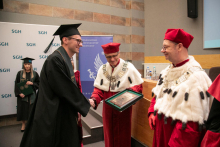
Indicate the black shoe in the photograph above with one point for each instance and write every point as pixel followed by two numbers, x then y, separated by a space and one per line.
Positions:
pixel 22 130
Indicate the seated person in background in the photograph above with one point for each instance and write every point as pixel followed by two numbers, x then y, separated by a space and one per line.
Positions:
pixel 212 136
pixel 181 103
pixel 25 102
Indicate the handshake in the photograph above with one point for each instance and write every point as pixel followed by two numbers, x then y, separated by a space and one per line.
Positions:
pixel 92 103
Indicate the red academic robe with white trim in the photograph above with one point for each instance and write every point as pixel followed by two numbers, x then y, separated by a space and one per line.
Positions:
pixel 117 125
pixel 167 135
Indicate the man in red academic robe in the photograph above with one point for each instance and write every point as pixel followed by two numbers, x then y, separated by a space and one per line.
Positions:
pixel 212 136
pixel 181 103
pixel 115 76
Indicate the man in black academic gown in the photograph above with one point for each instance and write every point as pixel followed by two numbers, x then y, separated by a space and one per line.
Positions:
pixel 53 121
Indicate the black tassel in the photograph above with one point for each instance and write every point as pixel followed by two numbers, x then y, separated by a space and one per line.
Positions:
pixel 160 76
pixel 152 94
pixel 155 113
pixel 169 91
pixel 173 122
pixel 101 82
pixel 183 126
pixel 165 91
pixel 165 120
pixel 129 79
pixel 208 95
pixel 174 94
pixel 202 95
pixel 186 96
pixel 118 84
pixel 159 116
pixel 48 47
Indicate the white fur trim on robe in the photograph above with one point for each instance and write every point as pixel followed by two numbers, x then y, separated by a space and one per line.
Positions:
pixel 195 108
pixel 132 72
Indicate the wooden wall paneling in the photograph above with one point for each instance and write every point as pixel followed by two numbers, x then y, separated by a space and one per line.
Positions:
pixel 140 128
pixel 148 85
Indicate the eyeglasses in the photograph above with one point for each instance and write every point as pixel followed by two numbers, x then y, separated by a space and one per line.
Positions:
pixel 78 40
pixel 164 48
pixel 113 56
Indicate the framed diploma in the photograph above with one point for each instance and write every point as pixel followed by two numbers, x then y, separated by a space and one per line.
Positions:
pixel 124 99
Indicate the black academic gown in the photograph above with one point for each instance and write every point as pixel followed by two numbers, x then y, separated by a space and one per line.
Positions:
pixel 53 120
pixel 213 122
pixel 23 107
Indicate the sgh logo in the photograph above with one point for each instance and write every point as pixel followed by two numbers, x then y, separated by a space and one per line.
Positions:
pixel 42 32
pixel 35 69
pixel 16 31
pixel 4 44
pixel 6 95
pixel 56 44
pixel 43 56
pixel 17 57
pixel 4 69
pixel 31 44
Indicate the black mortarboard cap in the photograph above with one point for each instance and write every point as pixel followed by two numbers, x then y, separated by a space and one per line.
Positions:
pixel 65 31
pixel 27 60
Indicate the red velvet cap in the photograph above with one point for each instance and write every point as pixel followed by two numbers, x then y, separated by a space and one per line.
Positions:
pixel 111 47
pixel 179 36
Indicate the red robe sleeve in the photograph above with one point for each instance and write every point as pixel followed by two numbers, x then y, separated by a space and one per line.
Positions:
pixel 97 95
pixel 137 88
pixel 214 88
pixel 151 108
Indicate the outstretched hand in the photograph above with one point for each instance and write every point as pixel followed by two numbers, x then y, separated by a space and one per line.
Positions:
pixel 92 103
